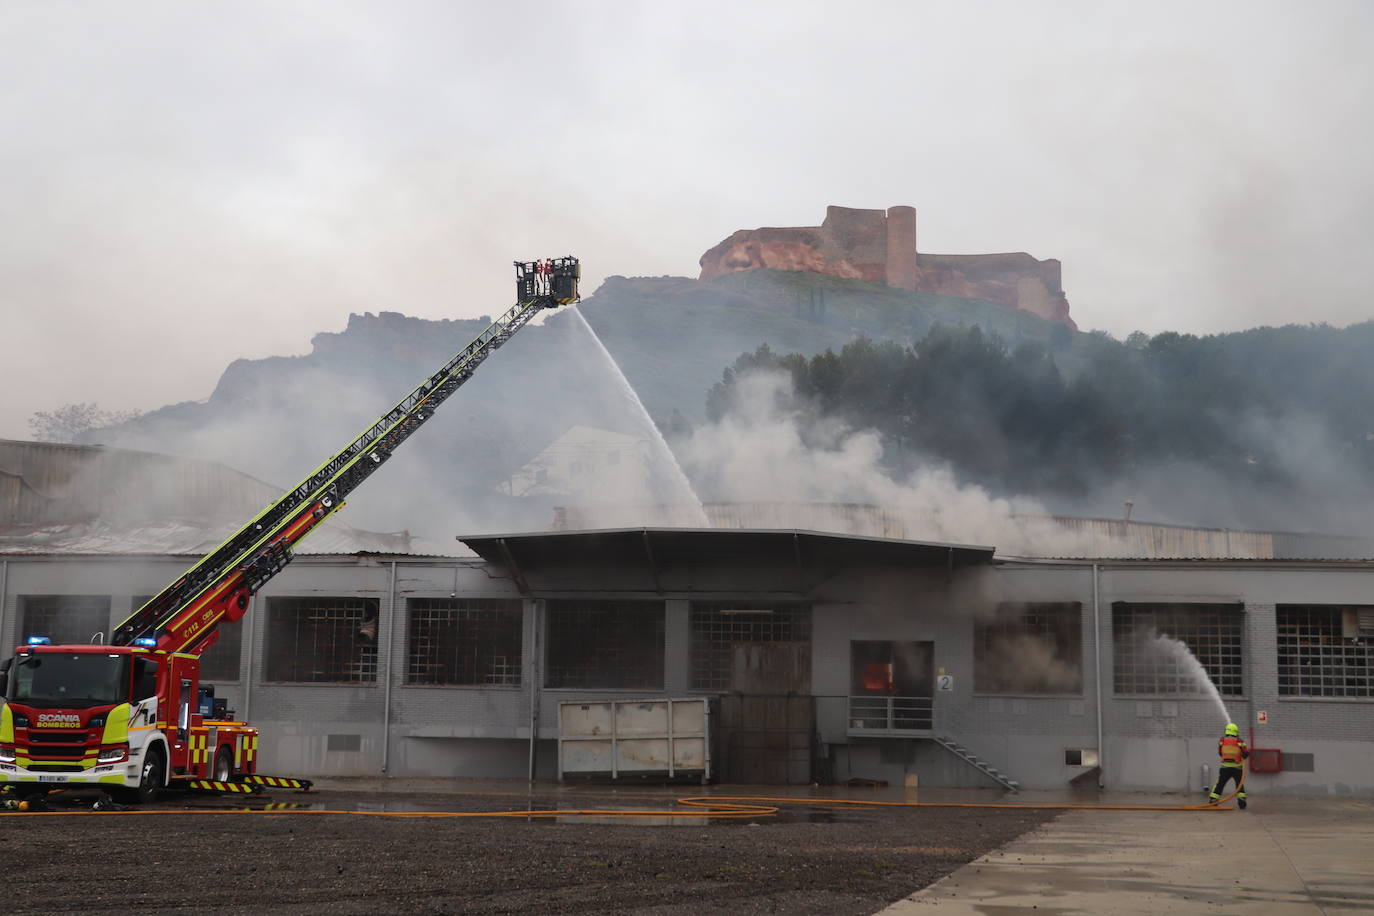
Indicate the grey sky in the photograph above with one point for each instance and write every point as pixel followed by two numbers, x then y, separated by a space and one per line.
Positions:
pixel 186 184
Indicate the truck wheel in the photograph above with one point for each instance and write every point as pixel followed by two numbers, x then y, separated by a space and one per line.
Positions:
pixel 150 778
pixel 224 765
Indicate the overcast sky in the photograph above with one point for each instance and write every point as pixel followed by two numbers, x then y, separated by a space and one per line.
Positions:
pixel 184 184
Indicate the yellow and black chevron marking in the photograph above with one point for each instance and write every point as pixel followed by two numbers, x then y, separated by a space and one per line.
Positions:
pixel 280 782
pixel 227 788
pixel 200 753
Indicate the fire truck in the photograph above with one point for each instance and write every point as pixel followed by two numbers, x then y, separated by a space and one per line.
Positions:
pixel 130 717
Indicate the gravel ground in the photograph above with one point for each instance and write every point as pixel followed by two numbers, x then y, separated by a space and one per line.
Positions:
pixel 809 860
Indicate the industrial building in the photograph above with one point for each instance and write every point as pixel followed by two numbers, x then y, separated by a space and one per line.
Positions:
pixel 822 656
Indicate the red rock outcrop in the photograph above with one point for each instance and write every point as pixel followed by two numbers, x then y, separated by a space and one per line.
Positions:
pixel 880 247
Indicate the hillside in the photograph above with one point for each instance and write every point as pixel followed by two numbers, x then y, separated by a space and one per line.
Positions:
pixel 673 336
pixel 276 418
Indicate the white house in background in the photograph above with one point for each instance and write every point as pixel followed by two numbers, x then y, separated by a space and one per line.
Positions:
pixel 589 463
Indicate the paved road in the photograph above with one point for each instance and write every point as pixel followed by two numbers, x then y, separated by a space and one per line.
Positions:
pixel 1279 856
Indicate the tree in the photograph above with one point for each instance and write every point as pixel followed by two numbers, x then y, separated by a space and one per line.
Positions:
pixel 69 421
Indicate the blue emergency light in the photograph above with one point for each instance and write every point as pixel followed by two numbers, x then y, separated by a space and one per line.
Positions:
pixel 146 641
pixel 39 641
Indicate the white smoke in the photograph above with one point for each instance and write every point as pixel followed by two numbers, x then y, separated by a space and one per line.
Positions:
pixel 769 450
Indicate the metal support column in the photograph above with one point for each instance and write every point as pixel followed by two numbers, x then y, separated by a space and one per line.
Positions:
pixel 390 654
pixel 252 653
pixel 1097 679
pixel 534 669
pixel 4 595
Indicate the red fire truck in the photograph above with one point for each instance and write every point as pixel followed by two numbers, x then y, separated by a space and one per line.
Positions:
pixel 130 716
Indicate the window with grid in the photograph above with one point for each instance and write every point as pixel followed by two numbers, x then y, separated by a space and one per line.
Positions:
pixel 219 664
pixel 605 644
pixel 1323 651
pixel 322 640
pixel 1147 661
pixel 64 619
pixel 1029 648
pixel 719 627
pixel 464 641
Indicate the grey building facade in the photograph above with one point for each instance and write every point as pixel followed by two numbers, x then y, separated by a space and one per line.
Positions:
pixel 828 657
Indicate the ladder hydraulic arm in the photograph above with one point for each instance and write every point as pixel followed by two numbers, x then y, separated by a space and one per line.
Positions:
pixel 183 617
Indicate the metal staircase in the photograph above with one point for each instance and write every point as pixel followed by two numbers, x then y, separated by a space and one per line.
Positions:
pixel 978 763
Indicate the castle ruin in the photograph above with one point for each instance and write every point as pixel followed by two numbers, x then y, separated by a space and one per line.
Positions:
pixel 880 247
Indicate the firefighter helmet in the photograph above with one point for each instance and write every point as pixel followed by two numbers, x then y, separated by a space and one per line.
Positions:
pixel 1232 730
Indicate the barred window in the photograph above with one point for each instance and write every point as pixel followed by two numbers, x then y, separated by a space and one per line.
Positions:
pixel 605 644
pixel 464 641
pixel 64 619
pixel 1147 659
pixel 322 640
pixel 1029 648
pixel 724 631
pixel 219 664
pixel 1324 651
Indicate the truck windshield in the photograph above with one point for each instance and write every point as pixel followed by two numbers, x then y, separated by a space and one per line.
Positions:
pixel 71 681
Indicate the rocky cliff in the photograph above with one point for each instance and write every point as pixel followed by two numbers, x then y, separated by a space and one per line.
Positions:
pixel 880 247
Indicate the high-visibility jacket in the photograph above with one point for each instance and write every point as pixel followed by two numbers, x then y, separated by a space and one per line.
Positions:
pixel 1232 751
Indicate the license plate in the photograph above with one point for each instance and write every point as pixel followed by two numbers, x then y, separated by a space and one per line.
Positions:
pixel 51 777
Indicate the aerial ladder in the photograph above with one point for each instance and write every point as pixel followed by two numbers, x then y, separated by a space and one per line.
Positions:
pixel 165 637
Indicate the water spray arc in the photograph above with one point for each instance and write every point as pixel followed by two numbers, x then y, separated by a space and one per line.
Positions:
pixel 1187 663
pixel 684 492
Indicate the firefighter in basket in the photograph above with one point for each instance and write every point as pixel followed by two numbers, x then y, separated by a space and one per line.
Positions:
pixel 1233 753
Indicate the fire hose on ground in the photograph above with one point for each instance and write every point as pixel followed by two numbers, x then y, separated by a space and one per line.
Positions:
pixel 702 806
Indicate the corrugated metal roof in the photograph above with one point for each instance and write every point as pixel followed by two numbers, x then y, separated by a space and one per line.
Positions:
pixel 1190 561
pixel 1018 534
pixel 44 483
pixel 91 500
pixel 179 539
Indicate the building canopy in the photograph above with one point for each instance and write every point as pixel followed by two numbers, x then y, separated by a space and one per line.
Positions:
pixel 701 560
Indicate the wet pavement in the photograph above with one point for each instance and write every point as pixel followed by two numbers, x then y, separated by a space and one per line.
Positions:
pixel 1279 856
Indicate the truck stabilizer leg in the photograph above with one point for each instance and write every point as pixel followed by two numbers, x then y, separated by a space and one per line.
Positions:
pixel 280 782
pixel 217 787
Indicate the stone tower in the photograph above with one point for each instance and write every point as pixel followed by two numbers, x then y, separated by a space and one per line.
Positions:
pixel 901 247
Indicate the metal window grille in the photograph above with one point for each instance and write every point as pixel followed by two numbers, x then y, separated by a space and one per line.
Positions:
pixel 64 619
pixel 719 626
pixel 322 640
pixel 1212 632
pixel 1318 657
pixel 605 644
pixel 1029 648
pixel 464 641
pixel 220 663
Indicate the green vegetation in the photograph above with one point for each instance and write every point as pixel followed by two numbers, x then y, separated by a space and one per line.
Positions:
pixel 1280 421
pixel 672 336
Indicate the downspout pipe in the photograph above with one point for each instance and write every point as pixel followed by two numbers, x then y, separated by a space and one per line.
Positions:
pixel 250 615
pixel 536 677
pixel 1097 678
pixel 4 596
pixel 390 654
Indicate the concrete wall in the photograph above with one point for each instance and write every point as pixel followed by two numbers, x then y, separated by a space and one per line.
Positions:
pixel 1157 743
pixel 1162 743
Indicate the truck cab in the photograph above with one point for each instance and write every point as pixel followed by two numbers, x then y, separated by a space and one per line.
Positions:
pixel 124 718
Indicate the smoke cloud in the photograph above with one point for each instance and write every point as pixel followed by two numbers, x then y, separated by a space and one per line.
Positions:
pixel 768 449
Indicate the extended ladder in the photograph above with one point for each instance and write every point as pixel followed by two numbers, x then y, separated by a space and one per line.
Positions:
pixel 183 617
